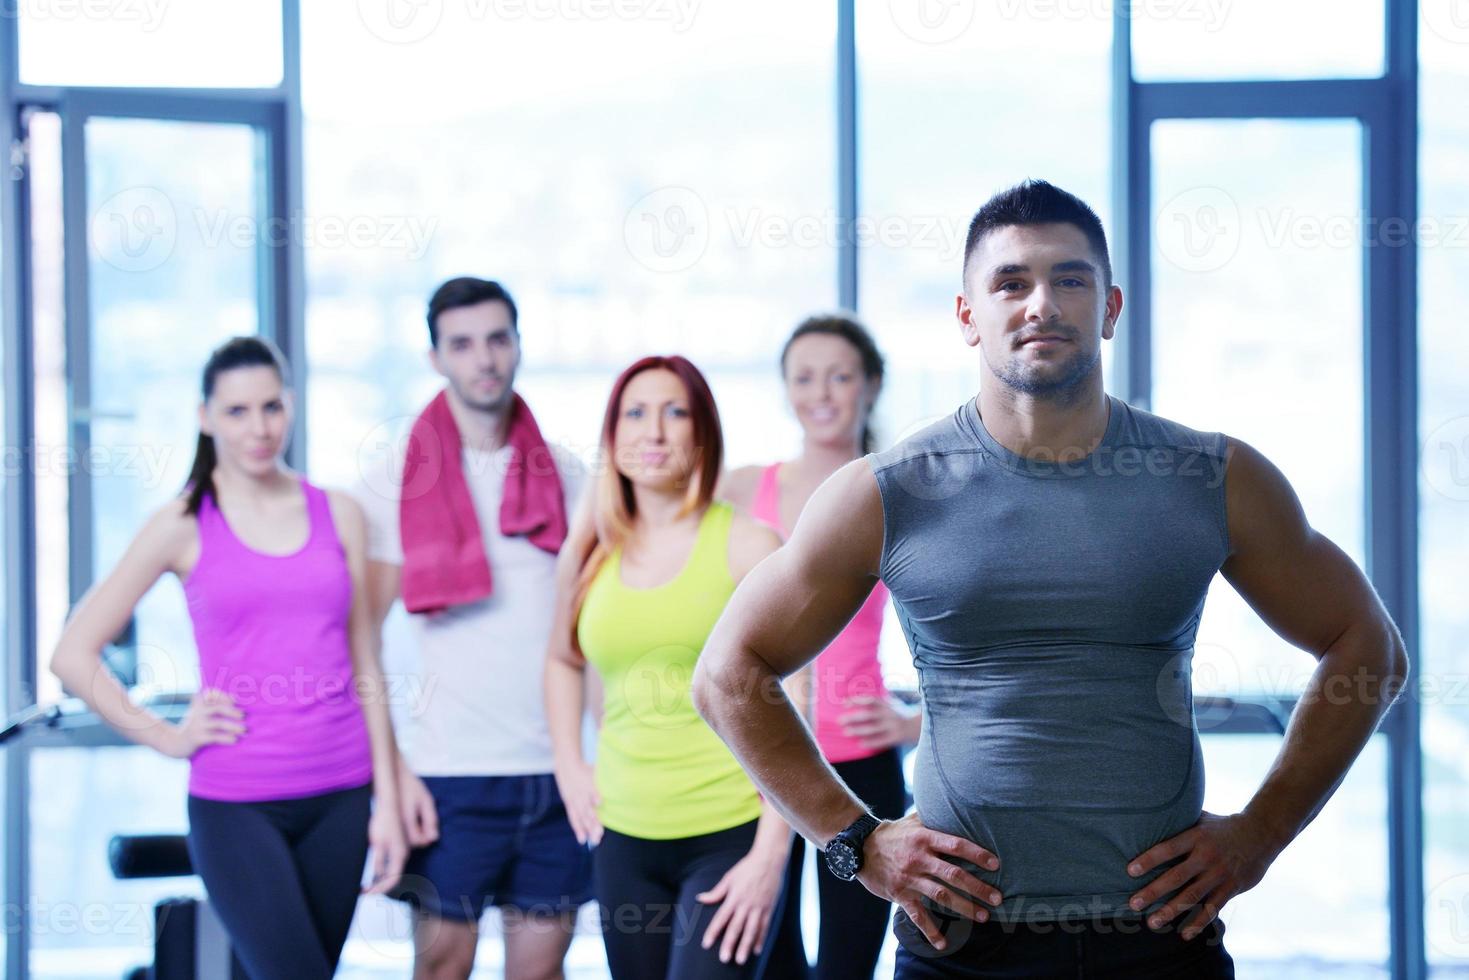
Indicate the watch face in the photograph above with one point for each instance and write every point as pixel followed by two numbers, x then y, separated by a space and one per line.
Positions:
pixel 841 859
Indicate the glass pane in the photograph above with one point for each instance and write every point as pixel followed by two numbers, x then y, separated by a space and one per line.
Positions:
pixel 1338 923
pixel 1443 425
pixel 625 214
pixel 174 245
pixel 937 136
pixel 922 181
pixel 163 43
pixel 1256 39
pixel 53 460
pixel 1257 332
pixel 84 922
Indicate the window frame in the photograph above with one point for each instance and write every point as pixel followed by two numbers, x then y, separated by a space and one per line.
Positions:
pixel 1387 109
pixel 276 113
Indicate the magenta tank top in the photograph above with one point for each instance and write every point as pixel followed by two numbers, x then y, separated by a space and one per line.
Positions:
pixel 846 669
pixel 272 633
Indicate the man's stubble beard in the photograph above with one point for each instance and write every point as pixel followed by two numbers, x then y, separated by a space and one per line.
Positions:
pixel 1062 387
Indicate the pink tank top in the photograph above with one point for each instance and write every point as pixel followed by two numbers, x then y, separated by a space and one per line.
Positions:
pixel 846 669
pixel 272 633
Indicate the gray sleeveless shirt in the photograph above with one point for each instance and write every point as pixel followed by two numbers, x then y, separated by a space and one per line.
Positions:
pixel 1051 610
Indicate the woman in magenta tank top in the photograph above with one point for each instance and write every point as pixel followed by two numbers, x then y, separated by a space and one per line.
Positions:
pixel 833 372
pixel 291 751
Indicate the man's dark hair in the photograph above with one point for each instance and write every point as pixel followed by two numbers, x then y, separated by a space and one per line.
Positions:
pixel 466 291
pixel 1038 202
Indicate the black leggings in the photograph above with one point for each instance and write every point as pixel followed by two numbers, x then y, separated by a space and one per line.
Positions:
pixel 854 922
pixel 652 924
pixel 283 876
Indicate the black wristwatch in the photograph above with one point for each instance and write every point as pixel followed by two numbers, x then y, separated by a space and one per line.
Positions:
pixel 844 853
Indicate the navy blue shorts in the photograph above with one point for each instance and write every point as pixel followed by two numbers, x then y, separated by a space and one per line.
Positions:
pixel 503 841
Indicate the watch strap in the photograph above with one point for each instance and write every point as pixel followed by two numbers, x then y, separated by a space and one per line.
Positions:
pixel 856 832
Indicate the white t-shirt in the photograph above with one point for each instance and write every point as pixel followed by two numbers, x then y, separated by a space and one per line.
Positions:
pixel 473 702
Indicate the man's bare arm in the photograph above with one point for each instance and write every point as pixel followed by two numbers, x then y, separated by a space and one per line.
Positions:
pixel 1311 594
pixel 785 612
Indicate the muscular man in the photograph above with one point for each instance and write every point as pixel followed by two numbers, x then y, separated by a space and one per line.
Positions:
pixel 1048 549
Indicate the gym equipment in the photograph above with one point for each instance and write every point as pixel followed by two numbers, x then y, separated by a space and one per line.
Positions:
pixel 189 942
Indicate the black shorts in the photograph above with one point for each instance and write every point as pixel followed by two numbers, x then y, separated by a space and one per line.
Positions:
pixel 1123 948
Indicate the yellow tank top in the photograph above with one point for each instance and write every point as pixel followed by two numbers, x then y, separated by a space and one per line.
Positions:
pixel 662 773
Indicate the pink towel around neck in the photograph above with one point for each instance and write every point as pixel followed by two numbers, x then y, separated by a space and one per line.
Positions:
pixel 444 561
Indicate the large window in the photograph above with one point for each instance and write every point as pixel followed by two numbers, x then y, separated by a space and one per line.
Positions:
pixel 169 277
pixel 167 202
pixel 1257 332
pixel 151 228
pixel 654 180
pixel 1269 220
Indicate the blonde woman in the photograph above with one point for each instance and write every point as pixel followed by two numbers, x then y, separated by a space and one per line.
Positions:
pixel 689 860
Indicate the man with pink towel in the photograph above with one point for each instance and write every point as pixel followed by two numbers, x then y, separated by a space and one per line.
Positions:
pixel 468 540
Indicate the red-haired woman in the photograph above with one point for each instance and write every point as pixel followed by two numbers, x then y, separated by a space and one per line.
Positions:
pixel 689 861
